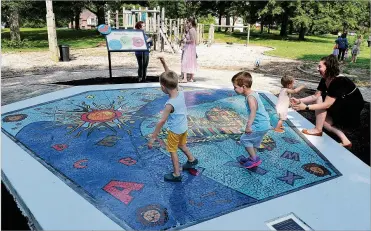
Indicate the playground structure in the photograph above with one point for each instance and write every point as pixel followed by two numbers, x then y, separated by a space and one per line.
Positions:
pixel 164 31
pixel 211 39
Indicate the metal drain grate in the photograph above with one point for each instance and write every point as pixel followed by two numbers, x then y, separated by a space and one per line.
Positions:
pixel 288 222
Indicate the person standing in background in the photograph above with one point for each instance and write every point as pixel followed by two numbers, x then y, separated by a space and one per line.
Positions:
pixel 342 43
pixel 189 59
pixel 356 48
pixel 142 57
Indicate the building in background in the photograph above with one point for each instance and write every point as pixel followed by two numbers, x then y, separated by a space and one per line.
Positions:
pixel 88 20
pixel 238 24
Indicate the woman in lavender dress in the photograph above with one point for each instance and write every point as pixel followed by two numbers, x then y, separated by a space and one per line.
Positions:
pixel 189 60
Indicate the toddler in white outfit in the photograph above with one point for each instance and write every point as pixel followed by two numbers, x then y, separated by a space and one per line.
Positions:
pixel 283 102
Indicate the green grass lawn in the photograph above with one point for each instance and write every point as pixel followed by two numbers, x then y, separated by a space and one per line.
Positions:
pixel 312 49
pixel 37 39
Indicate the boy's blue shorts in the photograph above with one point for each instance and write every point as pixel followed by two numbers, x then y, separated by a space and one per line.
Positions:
pixel 253 139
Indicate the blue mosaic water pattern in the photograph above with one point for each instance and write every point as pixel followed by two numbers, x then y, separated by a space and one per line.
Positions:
pixel 96 143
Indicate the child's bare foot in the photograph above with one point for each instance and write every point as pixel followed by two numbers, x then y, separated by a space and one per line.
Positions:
pixel 279 130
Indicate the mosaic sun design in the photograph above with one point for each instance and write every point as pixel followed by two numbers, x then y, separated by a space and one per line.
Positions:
pixel 96 142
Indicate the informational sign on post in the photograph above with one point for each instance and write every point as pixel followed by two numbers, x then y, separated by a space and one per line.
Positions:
pixel 126 40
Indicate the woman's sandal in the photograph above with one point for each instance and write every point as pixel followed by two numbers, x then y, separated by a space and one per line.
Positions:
pixel 183 81
pixel 305 131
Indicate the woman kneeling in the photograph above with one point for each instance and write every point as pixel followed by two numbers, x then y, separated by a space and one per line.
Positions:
pixel 337 101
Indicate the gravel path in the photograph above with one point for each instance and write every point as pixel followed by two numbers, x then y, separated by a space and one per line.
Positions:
pixel 28 74
pixel 222 57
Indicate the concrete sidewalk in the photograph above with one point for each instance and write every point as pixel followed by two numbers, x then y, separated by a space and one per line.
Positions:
pixel 23 87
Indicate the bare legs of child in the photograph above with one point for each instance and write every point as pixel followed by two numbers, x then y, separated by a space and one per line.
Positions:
pixel 279 127
pixel 192 161
pixel 252 151
pixel 175 160
pixel 252 141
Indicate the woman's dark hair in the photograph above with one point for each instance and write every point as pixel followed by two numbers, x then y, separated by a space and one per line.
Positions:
pixel 192 21
pixel 344 35
pixel 332 66
pixel 139 25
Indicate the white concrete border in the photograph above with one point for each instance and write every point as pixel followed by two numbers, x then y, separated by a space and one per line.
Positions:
pixel 339 204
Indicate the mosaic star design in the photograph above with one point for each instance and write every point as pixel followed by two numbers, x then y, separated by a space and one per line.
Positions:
pixel 98 141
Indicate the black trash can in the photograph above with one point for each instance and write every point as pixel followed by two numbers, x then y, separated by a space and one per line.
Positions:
pixel 64 51
pixel 369 43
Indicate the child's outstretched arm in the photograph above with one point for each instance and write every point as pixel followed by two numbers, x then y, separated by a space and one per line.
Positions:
pixel 164 63
pixel 160 124
pixel 296 90
pixel 253 104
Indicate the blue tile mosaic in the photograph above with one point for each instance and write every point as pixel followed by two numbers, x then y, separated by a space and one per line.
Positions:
pixel 96 143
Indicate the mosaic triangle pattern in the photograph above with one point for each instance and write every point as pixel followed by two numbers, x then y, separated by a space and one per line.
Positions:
pixel 96 143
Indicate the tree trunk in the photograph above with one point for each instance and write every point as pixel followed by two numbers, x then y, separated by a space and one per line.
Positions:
pixel 220 22
pixel 291 27
pixel 15 34
pixel 285 20
pixel 52 32
pixel 77 21
pixel 227 22
pixel 261 27
pixel 302 32
pixel 234 22
pixel 101 16
pixel 310 30
pixel 270 23
pixel 99 12
pixel 345 27
pixel 77 9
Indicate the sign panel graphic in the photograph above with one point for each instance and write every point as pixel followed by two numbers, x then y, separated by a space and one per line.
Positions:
pixel 126 40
